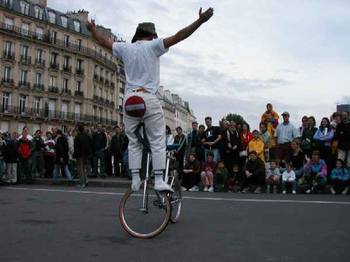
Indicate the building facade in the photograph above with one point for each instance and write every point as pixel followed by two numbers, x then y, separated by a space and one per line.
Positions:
pixel 343 108
pixel 53 73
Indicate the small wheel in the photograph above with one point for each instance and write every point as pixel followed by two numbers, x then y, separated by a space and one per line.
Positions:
pixel 175 198
pixel 144 217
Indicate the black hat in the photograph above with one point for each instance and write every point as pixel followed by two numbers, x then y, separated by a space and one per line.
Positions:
pixel 144 30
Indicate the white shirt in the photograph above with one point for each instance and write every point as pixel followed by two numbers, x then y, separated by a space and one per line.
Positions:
pixel 285 133
pixel 141 62
pixel 288 176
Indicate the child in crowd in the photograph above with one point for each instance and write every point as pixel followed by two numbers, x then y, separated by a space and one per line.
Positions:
pixel 208 171
pixel 190 178
pixel 340 178
pixel 221 176
pixel 257 145
pixel 288 178
pixel 234 182
pixel 273 177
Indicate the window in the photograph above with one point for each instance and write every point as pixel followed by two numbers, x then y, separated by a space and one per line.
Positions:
pixel 79 64
pixel 25 29
pixel 79 44
pixel 39 55
pixel 53 81
pixel 95 91
pixel 38 78
pixel 38 12
pixel 39 32
pixel 64 109
pixel 37 105
pixel 53 37
pixel 53 58
pixel 52 17
pixel 24 76
pixel 7 73
pixel 66 62
pixel 106 94
pixel 24 7
pixel 8 3
pixel 78 86
pixel 6 102
pixel 9 23
pixel 65 85
pixel 8 48
pixel 100 93
pixel 66 40
pixel 76 26
pixel 24 51
pixel 22 104
pixel 52 107
pixel 77 111
pixel 64 21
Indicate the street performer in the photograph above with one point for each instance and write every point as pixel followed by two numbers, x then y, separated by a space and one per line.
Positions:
pixel 141 62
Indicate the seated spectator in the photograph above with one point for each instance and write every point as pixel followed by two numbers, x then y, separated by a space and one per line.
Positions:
pixel 235 181
pixel 255 173
pixel 273 177
pixel 207 175
pixel 340 178
pixel 257 145
pixel 221 176
pixel 315 173
pixel 288 179
pixel 191 178
pixel 297 158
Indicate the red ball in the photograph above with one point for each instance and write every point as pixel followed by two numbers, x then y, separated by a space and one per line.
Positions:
pixel 135 106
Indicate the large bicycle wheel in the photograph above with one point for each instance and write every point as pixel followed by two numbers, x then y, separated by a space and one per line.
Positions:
pixel 144 217
pixel 175 198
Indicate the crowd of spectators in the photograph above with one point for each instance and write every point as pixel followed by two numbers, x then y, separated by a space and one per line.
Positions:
pixel 278 157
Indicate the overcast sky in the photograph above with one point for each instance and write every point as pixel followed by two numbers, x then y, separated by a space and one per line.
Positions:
pixel 292 53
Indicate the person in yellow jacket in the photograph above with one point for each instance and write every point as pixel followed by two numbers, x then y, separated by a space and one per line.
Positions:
pixel 270 117
pixel 257 145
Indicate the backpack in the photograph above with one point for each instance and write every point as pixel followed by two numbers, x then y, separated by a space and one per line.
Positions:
pixel 24 150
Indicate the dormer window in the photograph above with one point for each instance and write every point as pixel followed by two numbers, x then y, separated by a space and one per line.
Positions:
pixel 64 21
pixel 39 13
pixel 77 26
pixel 24 7
pixel 52 17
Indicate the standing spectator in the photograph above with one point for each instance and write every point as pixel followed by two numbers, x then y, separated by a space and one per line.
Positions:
pixel 38 154
pixel 323 139
pixel 255 174
pixel 191 174
pixel 342 136
pixel 49 154
pixel 72 165
pixel 257 145
pixel 109 166
pixel 194 140
pixel 2 151
pixel 335 120
pixel 11 158
pixel 61 156
pixel 207 173
pixel 221 176
pixel 245 136
pixel 82 152
pixel 288 179
pixel 315 173
pixel 200 154
pixel 117 142
pixel 169 138
pixel 307 137
pixel 266 138
pixel 180 139
pixel 25 154
pixel 340 178
pixel 297 158
pixel 211 139
pixel 273 177
pixel 99 143
pixel 270 118
pixel 304 124
pixel 285 133
pixel 231 144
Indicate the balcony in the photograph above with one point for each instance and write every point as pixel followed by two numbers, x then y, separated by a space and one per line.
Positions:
pixel 54 66
pixel 112 84
pixel 79 71
pixel 7 82
pixel 66 92
pixel 40 62
pixel 79 93
pixel 25 60
pixel 24 85
pixel 102 79
pixel 39 87
pixel 53 89
pixel 9 56
pixel 107 81
pixel 67 69
pixel 96 77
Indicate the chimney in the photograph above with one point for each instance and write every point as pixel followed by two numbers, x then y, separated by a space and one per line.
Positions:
pixel 81 15
pixel 42 3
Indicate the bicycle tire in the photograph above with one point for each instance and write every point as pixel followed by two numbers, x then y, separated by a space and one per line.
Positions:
pixel 127 225
pixel 175 199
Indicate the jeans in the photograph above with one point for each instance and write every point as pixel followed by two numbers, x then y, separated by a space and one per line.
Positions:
pixel 56 172
pixel 82 170
pixel 38 163
pixel 125 161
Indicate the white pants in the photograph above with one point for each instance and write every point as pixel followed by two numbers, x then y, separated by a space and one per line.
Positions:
pixel 345 156
pixel 11 172
pixel 155 130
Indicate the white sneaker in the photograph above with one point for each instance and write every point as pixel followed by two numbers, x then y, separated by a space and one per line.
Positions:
pixel 135 185
pixel 205 189
pixel 345 191
pixel 162 186
pixel 284 192
pixel 294 192
pixel 211 189
pixel 183 188
pixel 194 189
pixel 333 191
pixel 308 191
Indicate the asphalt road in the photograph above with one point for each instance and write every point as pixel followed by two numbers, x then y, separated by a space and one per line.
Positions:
pixel 63 224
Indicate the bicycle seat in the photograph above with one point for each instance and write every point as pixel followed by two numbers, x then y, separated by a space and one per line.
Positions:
pixel 172 147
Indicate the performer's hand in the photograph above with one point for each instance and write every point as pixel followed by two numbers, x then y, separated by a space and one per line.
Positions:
pixel 204 17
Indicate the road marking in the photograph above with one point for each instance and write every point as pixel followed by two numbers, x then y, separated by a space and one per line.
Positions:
pixel 188 197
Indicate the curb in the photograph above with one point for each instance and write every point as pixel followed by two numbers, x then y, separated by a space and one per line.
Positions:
pixel 120 183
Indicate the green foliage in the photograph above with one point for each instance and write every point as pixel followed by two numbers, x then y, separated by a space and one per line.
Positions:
pixel 238 119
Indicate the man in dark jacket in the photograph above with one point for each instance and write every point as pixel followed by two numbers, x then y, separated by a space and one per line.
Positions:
pixel 62 157
pixel 180 139
pixel 11 158
pixel 342 136
pixel 117 142
pixel 255 173
pixel 99 144
pixel 38 154
pixel 82 152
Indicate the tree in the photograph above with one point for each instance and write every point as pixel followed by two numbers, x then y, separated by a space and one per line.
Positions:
pixel 238 119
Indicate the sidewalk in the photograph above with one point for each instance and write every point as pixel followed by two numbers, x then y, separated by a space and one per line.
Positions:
pixel 116 182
